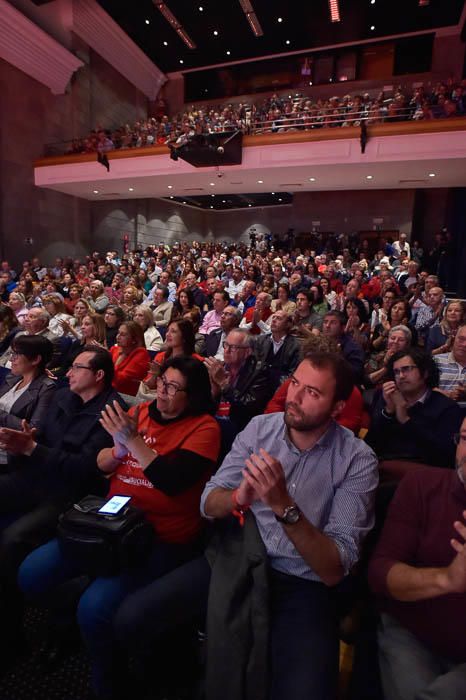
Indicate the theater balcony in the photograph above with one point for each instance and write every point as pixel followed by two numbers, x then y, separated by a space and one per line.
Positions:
pixel 392 155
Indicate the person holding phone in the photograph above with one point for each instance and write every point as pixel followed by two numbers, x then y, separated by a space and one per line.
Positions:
pixel 163 454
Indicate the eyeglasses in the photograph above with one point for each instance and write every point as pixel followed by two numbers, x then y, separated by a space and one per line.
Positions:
pixel 229 346
pixel 77 366
pixel 403 370
pixel 459 438
pixel 14 355
pixel 168 388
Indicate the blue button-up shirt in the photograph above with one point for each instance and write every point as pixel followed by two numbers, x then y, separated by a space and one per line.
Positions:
pixel 333 483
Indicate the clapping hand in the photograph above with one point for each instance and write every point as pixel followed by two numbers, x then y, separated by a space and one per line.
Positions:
pixel 120 425
pixel 18 442
pixel 217 372
pixel 266 480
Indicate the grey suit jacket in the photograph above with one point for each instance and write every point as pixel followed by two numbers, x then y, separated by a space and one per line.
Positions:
pixel 32 405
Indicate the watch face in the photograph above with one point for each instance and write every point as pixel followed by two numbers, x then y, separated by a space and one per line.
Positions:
pixel 292 515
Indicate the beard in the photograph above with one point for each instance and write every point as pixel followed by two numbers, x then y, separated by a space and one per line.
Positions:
pixel 302 422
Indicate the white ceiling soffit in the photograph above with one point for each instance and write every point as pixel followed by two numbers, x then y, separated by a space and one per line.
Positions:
pixel 33 51
pixel 94 26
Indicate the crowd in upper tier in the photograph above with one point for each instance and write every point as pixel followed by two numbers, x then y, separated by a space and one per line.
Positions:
pixel 251 372
pixel 277 113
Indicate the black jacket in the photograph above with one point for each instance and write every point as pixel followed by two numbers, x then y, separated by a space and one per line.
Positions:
pixel 250 395
pixel 281 365
pixel 427 437
pixel 32 405
pixel 212 342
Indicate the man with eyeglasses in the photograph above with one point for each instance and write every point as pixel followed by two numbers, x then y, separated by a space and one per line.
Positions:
pixel 418 573
pixel 52 469
pixel 213 347
pixel 411 421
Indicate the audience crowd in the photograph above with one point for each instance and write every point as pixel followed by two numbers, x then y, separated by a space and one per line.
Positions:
pixel 251 373
pixel 278 113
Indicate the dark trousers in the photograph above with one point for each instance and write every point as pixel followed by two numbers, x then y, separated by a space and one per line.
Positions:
pixel 304 639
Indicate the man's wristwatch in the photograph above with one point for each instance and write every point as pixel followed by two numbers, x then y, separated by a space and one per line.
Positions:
pixel 290 516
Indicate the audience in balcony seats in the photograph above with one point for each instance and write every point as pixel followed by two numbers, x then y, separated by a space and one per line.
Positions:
pixel 441 335
pixel 309 525
pixel 452 367
pixel 240 386
pixel 256 319
pixel 212 319
pixel 163 454
pixel 113 317
pixel 407 408
pixel 143 316
pixel 97 299
pixel 418 573
pixel 50 469
pixel 130 358
pixel 213 346
pixel 162 308
pixel 334 325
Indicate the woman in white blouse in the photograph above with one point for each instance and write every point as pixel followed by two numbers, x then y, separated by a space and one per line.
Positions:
pixel 54 304
pixel 143 316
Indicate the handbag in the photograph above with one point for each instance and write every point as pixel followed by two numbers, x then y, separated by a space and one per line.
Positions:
pixel 104 545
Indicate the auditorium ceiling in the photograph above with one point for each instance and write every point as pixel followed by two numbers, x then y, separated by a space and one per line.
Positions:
pixel 222 34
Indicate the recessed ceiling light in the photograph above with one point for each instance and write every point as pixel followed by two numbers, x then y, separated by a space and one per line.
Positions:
pixel 272 193
pixel 372 2
pixel 224 201
pixel 147 21
pixel 280 200
pixel 287 42
pixel 212 184
pixel 130 189
pixel 228 53
pixel 312 179
pixel 368 177
pixel 372 27
pixel 279 19
pixel 165 43
pixel 96 191
pixel 310 82
pixel 181 60
pixel 212 195
pixel 249 205
pixel 431 174
pixel 201 8
pixel 215 32
pixel 171 196
pixel 170 187
pixel 211 206
pixel 184 202
pixel 260 182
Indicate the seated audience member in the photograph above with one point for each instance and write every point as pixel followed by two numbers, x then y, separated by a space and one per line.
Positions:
pixel 256 318
pixel 17 301
pixel 319 304
pixel 238 384
pixel 311 521
pixel 278 350
pixel 430 312
pixel 399 314
pixel 334 325
pixel 162 308
pixel 183 304
pixel 114 316
pixel 132 297
pixel 92 333
pixel 199 297
pixel 51 470
pixel 418 574
pixel 247 296
pixel 376 368
pixel 380 313
pixel 27 390
pixel 143 316
pixel 194 316
pixel 452 368
pixel 180 340
pixel 130 358
pixel 55 307
pixel 212 318
pixel 213 347
pixel 304 315
pixel 97 299
pixel 9 327
pixel 73 330
pixel 441 335
pixel 410 421
pixel 283 301
pixel 357 325
pixel 235 285
pixel 163 454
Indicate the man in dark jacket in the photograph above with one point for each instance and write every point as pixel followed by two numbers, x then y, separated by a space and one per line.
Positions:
pixel 229 319
pixel 278 351
pixel 49 474
pixel 334 326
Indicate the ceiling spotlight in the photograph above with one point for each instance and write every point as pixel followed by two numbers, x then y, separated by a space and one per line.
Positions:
pixel 224 201
pixel 310 82
pixel 211 206
pixel 215 32
pixel 287 42
pixel 334 10
pixel 147 21
pixel 372 2
pixel 165 43
pixel 280 200
pixel 431 174
pixel 312 179
pixel 181 60
pixel 228 53
pixel 249 205
pixel 201 8
pixel 212 195
pixel 372 28
pixel 368 177
pixel 170 187
pixel 272 193
pixel 130 189
pixel 184 202
pixel 260 182
pixel 96 191
pixel 212 184
pixel 171 196
pixel 280 19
